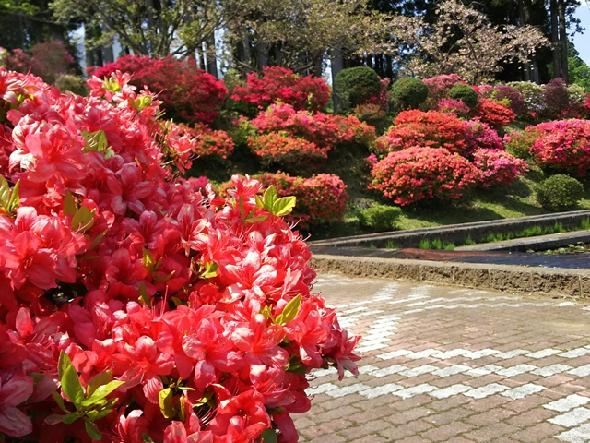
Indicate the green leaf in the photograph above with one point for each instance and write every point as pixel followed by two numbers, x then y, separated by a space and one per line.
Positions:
pixel 270 196
pixel 267 312
pixel 97 142
pixel 166 402
pixel 70 418
pixel 284 206
pixel 92 430
pixel 98 380
pixel 9 200
pixel 269 436
pixel 143 295
pixel 59 400
pixel 210 270
pixel 83 219
pixel 70 383
pixel 290 311
pixel 70 204
pixel 102 392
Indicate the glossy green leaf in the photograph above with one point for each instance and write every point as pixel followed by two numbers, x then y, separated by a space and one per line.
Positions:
pixel 92 431
pixel 284 206
pixel 98 380
pixel 70 383
pixel 267 312
pixel 166 402
pixel 97 142
pixel 9 199
pixel 70 418
pixel 290 311
pixel 210 270
pixel 59 400
pixel 103 391
pixel 83 219
pixel 70 204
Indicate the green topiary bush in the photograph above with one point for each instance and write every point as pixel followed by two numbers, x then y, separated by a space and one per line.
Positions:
pixel 356 85
pixel 72 83
pixel 408 93
pixel 465 93
pixel 560 192
pixel 379 217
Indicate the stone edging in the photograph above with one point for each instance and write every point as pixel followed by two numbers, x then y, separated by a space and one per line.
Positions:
pixel 521 279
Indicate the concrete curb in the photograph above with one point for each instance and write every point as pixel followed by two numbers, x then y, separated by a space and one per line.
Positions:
pixel 540 281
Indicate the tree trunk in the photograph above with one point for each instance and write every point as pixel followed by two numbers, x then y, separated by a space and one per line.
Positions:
pixel 553 10
pixel 212 56
pixel 563 41
pixel 336 65
pixel 246 49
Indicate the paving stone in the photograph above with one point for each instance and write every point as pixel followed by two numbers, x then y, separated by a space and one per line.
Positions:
pixel 449 364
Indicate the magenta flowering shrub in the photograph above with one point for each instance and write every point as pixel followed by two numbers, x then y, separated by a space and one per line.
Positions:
pixel 563 145
pixel 439 85
pixel 417 174
pixel 498 167
pixel 454 106
pixel 136 305
pixel 482 136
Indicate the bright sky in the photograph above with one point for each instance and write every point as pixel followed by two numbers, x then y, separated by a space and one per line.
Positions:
pixel 582 40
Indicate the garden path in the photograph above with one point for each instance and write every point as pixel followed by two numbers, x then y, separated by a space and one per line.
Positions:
pixel 452 364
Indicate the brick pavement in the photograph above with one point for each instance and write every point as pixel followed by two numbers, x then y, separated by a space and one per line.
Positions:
pixel 451 364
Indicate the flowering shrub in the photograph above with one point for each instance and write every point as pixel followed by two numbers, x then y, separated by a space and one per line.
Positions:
pixel 563 145
pixel 441 84
pixel 320 198
pixel 454 106
pixel 427 129
pixel 325 130
pixel 533 94
pixel 136 306
pixel 280 147
pixel 512 95
pixel 46 59
pixel 183 143
pixel 498 167
pixel 281 84
pixel 557 101
pixel 495 114
pixel 416 174
pixel 188 94
pixel 482 136
pixel 519 142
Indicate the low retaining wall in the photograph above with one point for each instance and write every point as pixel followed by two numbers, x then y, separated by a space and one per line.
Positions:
pixel 541 281
pixel 457 233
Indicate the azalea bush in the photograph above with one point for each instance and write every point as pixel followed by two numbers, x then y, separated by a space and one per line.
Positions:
pixel 325 129
pixel 482 136
pixel 498 167
pixel 183 143
pixel 494 113
pixel 280 147
pixel 136 305
pixel 187 94
pixel 277 83
pixel 417 174
pixel 563 145
pixel 440 85
pixel 320 198
pixel 429 129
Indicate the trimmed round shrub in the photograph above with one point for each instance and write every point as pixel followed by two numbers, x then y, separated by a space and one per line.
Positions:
pixel 557 99
pixel 379 218
pixel 427 129
pixel 408 93
pixel 71 83
pixel 494 113
pixel 356 85
pixel 560 192
pixel 465 93
pixel 418 174
pixel 563 145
